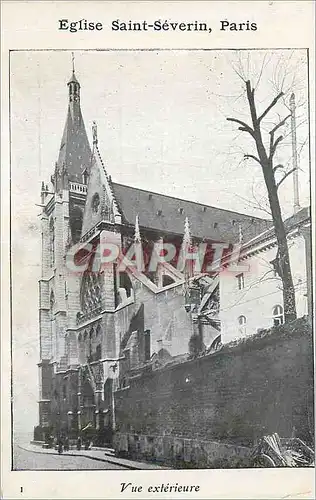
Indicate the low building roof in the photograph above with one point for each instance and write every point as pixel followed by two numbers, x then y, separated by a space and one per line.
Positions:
pixel 290 223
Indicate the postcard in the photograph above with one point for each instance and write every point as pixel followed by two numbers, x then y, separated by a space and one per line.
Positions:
pixel 158 253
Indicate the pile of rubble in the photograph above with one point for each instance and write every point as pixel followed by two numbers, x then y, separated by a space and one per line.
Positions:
pixel 271 451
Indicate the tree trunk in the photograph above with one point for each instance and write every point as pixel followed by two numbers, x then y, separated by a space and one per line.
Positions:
pixel 266 162
pixel 283 258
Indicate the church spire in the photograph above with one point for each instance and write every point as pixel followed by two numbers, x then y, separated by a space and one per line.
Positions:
pixel 187 240
pixel 185 263
pixel 74 158
pixel 73 84
pixel 138 247
pixel 73 62
pixel 137 238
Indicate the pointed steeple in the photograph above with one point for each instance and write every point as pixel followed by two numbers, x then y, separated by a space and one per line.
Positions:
pixel 137 238
pixel 95 133
pixel 138 247
pixel 185 264
pixel 75 153
pixel 74 85
pixel 187 233
pixel 241 236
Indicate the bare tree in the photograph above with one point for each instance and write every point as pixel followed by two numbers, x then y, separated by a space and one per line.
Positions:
pixel 265 157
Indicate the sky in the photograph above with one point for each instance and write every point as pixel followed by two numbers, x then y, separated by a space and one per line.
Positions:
pixel 162 126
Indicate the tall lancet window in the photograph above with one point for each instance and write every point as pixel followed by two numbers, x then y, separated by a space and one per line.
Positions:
pixel 53 324
pixel 52 241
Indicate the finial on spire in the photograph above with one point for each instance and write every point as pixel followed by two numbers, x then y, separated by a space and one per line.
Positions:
pixel 241 236
pixel 73 61
pixel 95 133
pixel 139 258
pixel 137 237
pixel 185 264
pixel 187 232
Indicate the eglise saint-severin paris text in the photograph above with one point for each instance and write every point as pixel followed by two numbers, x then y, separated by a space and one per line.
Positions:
pixel 163 329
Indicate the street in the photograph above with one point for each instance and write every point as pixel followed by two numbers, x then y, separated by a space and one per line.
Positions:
pixel 29 460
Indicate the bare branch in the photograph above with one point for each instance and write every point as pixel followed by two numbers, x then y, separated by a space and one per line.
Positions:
pixel 273 103
pixel 280 124
pixel 261 71
pixel 276 168
pixel 244 127
pixel 236 71
pixel 274 146
pixel 285 176
pixel 246 157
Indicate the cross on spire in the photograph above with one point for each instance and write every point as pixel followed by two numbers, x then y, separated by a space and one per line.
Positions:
pixel 73 61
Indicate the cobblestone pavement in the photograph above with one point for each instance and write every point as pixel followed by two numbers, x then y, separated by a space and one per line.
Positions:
pixel 29 460
pixel 35 454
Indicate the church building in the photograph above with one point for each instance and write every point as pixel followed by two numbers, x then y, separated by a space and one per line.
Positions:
pixel 102 321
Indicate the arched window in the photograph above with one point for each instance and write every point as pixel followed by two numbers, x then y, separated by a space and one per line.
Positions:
pixel 81 348
pixel 277 315
pixel 125 282
pixel 52 303
pixel 85 176
pixel 98 352
pixel 90 347
pixel 242 321
pixel 75 220
pixel 85 348
pixel 52 241
pixel 52 323
pixel 95 203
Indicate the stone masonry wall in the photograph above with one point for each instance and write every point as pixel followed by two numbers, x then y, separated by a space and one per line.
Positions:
pixel 259 385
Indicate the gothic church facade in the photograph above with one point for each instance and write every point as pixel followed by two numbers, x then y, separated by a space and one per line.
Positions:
pixel 101 325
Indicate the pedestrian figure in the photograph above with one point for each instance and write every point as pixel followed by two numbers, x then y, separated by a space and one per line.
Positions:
pixel 66 444
pixel 79 443
pixel 60 445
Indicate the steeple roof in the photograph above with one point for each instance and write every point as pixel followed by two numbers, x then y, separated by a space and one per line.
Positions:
pixel 75 152
pixel 73 79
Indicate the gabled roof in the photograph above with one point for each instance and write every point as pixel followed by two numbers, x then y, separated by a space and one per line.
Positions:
pixel 100 203
pixel 167 214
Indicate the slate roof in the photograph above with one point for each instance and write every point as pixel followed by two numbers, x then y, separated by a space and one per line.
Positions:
pixel 167 214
